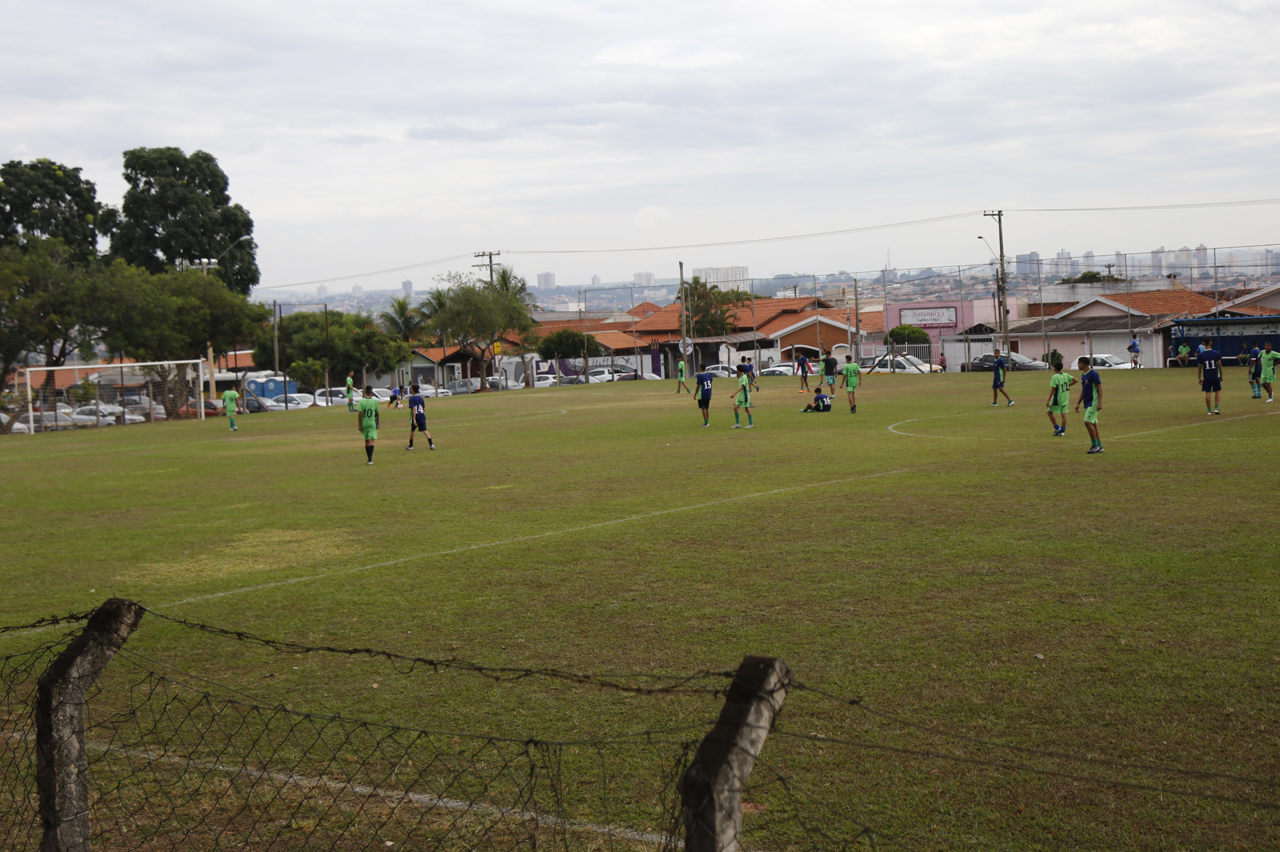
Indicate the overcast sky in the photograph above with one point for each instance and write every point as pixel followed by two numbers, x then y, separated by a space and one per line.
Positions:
pixel 375 135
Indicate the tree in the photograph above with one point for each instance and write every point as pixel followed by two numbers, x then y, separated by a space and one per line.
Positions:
pixel 712 309
pixel 177 209
pixel 42 200
pixel 477 314
pixel 376 351
pixel 568 343
pixel 903 334
pixel 175 316
pixel 403 320
pixel 309 372
pixel 1092 276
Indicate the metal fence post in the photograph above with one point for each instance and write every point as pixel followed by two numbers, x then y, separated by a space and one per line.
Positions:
pixel 62 764
pixel 711 789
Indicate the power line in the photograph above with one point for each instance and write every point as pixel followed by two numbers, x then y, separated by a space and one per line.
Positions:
pixel 1190 206
pixel 366 274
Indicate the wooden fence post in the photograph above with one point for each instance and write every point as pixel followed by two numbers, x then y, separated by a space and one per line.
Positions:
pixel 711 789
pixel 62 765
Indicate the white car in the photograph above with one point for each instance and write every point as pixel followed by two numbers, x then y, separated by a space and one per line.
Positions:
pixel 18 428
pixel 901 364
pixel 544 380
pixel 108 414
pixel 603 374
pixel 1105 362
pixel 784 369
pixel 430 391
pixel 294 400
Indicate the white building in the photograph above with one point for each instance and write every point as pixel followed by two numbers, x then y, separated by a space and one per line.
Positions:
pixel 725 277
pixel 595 280
pixel 642 279
pixel 357 291
pixel 546 279
pixel 322 293
pixel 407 287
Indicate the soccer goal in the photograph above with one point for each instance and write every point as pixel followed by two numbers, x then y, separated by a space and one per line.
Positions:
pixel 95 396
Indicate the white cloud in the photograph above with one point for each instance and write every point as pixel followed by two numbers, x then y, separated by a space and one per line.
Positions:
pixel 363 137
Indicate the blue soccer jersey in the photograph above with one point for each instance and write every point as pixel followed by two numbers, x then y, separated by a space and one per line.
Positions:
pixel 417 408
pixel 703 381
pixel 1255 362
pixel 1211 361
pixel 822 402
pixel 997 372
pixel 1090 381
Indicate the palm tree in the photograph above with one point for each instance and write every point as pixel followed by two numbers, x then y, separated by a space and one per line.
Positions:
pixel 506 281
pixel 432 309
pixel 403 320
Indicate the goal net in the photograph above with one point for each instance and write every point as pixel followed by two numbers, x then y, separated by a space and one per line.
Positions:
pixel 96 396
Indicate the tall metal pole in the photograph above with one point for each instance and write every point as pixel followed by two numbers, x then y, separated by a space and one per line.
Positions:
pixel 857 322
pixel 582 304
pixel 848 328
pixel 275 334
pixel 31 414
pixel 683 306
pixel 328 356
pixel 1043 333
pixel 963 320
pixel 1002 288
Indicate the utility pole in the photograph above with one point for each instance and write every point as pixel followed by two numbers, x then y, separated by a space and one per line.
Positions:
pixel 1040 287
pixel 857 323
pixel 963 321
pixel 489 263
pixel 1002 289
pixel 683 306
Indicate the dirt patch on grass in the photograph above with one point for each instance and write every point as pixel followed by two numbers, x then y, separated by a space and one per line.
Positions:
pixel 249 553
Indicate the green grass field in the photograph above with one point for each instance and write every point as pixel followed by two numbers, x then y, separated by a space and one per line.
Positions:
pixel 950 563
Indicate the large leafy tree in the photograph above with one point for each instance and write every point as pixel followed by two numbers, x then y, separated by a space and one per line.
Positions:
pixel 478 314
pixel 177 208
pixel 712 309
pixel 354 343
pixel 402 320
pixel 173 316
pixel 43 199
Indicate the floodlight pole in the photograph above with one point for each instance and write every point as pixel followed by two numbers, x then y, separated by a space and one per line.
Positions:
pixel 857 322
pixel 31 414
pixel 1002 290
pixel 1043 333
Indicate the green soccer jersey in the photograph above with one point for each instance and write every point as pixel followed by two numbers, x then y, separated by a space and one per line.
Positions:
pixel 1184 349
pixel 229 401
pixel 368 409
pixel 351 386
pixel 1268 361
pixel 1060 384
pixel 680 370
pixel 850 375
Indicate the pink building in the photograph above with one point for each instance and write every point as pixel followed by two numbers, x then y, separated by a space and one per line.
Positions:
pixel 944 318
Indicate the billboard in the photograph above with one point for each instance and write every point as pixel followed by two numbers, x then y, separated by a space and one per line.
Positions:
pixel 928 317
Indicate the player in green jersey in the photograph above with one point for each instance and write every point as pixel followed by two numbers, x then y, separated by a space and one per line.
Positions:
pixel 742 401
pixel 1268 360
pixel 1059 398
pixel 367 420
pixel 351 391
pixel 231 405
pixel 849 378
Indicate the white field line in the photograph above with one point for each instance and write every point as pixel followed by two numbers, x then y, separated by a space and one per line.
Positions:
pixel 391 797
pixel 567 531
pixel 895 430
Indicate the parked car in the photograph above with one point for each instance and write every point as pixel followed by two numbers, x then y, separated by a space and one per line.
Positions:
pixel 634 376
pixel 17 429
pixel 102 418
pixel 431 390
pixel 115 412
pixel 986 363
pixel 1105 362
pixel 383 394
pixel 332 396
pixel 501 383
pixel 212 408
pixel 783 369
pixel 46 421
pixel 461 386
pixel 254 405
pixel 299 400
pixel 720 371
pixel 897 364
pixel 544 380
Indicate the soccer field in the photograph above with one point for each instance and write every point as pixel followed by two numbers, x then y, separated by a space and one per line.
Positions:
pixel 1053 650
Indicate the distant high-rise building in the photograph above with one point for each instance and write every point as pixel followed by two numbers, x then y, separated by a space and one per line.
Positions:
pixel 1271 263
pixel 1122 267
pixel 322 293
pixel 1090 262
pixel 595 280
pixel 642 279
pixel 1202 255
pixel 546 280
pixel 407 287
pixel 725 277
pixel 1062 263
pixel 356 291
pixel 1157 262
pixel 1027 264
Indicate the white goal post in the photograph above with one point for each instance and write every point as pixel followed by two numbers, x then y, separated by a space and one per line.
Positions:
pixel 145 377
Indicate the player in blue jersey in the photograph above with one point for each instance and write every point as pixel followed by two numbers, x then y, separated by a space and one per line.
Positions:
pixel 997 381
pixel 1255 369
pixel 802 370
pixel 418 418
pixel 1209 371
pixel 821 402
pixel 1091 399
pixel 702 381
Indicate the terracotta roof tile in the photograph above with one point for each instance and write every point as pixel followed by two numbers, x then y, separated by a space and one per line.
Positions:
pixel 1164 301
pixel 1048 309
pixel 616 340
pixel 643 309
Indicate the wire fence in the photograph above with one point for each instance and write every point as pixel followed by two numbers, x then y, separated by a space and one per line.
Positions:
pixel 172 760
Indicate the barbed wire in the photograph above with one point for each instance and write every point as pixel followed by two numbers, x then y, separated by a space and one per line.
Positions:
pixel 676 683
pixel 49 621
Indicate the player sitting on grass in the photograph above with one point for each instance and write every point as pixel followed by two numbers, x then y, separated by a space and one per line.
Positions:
pixel 1091 399
pixel 418 418
pixel 742 401
pixel 231 405
pixel 1268 360
pixel 367 420
pixel 1209 371
pixel 1059 398
pixel 703 381
pixel 821 402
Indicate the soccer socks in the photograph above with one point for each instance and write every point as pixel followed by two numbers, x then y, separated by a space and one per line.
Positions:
pixel 737 419
pixel 233 423
pixel 368 451
pixel 749 423
pixel 431 444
